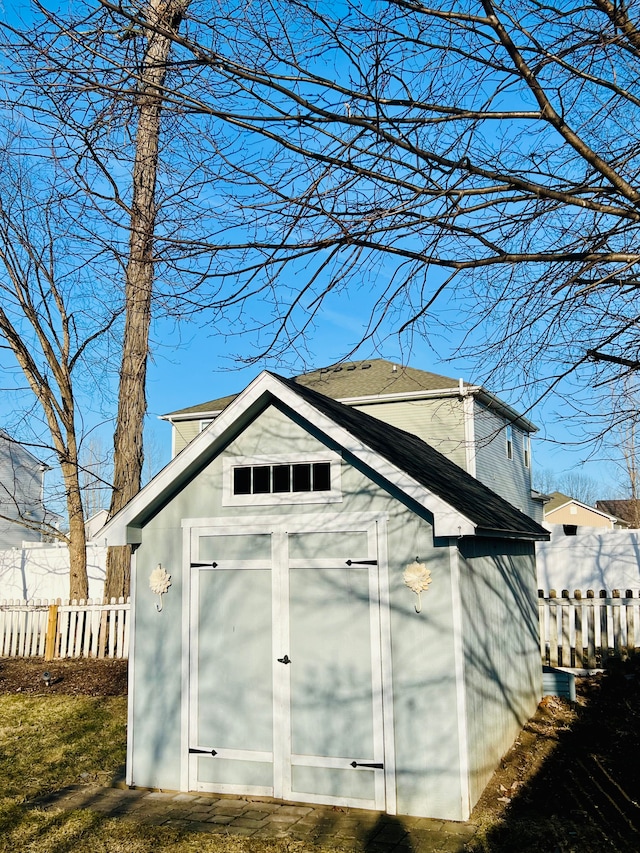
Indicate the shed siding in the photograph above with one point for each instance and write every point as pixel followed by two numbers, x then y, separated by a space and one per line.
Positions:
pixel 503 676
pixel 508 477
pixel 426 731
pixel 438 422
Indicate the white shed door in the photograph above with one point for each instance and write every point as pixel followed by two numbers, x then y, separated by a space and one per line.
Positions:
pixel 285 674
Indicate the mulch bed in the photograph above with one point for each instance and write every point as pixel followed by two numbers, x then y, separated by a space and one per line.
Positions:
pixel 78 677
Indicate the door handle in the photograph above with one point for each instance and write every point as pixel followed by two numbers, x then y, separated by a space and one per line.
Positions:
pixel 285 659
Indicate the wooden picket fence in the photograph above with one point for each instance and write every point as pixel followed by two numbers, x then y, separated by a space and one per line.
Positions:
pixel 64 629
pixel 583 630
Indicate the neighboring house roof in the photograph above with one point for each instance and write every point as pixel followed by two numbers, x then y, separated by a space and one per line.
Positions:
pixel 368 381
pixel 461 505
pixel 561 501
pixel 557 499
pixel 625 510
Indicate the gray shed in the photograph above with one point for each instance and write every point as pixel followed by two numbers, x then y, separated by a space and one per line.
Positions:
pixel 326 610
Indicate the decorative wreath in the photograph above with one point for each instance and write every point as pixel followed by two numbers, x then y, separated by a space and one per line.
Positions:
pixel 159 582
pixel 417 577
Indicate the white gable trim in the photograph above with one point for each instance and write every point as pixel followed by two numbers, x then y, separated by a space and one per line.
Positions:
pixel 447 520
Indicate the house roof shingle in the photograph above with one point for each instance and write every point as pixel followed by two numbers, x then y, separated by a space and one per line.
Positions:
pixel 350 380
pixel 625 510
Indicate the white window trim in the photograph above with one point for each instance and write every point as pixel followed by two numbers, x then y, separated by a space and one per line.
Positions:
pixel 508 434
pixel 334 495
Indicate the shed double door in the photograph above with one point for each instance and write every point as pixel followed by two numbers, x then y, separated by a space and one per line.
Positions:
pixel 285 668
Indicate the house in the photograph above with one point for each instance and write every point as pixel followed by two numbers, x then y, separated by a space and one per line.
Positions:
pixel 325 609
pixel 22 509
pixel 627 512
pixel 468 424
pixel 565 510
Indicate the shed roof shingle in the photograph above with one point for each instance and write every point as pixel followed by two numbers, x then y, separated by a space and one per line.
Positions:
pixel 482 506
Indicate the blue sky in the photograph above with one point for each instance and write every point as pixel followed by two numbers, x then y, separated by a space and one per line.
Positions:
pixel 202 368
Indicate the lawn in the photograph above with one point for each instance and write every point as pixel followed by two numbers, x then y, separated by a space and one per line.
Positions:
pixel 571 784
pixel 50 740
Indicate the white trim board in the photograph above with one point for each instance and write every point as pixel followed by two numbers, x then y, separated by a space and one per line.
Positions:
pixel 124 526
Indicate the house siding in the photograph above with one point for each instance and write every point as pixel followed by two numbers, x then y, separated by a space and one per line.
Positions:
pixel 503 676
pixel 509 478
pixel 21 478
pixel 183 433
pixel 439 423
pixel 424 676
pixel 583 517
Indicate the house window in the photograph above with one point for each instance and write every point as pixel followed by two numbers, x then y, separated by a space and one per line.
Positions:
pixel 272 480
pixel 280 479
pixel 509 436
pixel 526 440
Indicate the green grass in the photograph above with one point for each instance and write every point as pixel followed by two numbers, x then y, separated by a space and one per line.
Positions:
pixel 49 742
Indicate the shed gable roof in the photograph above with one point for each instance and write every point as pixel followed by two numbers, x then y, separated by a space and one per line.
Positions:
pixel 487 510
pixel 460 504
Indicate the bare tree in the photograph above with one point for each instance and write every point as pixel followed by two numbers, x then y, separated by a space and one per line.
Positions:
pixel 477 158
pixel 575 484
pixel 163 18
pixel 96 475
pixel 56 94
pixel 49 334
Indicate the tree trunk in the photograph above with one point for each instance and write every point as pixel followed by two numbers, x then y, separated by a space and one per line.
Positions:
pixel 78 579
pixel 163 16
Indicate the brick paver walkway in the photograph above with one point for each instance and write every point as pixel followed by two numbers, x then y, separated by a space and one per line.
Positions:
pixel 354 829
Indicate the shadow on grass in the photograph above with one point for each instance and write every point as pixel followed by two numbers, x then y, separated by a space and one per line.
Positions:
pixel 586 796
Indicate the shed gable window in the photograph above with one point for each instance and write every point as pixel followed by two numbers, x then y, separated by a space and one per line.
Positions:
pixel 296 478
pixel 281 479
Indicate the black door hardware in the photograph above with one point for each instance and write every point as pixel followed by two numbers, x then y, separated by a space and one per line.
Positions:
pixel 362 562
pixel 204 751
pixel 375 766
pixel 200 565
pixel 285 659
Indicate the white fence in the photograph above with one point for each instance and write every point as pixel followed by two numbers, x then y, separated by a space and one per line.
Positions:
pixel 42 571
pixel 592 559
pixel 63 629
pixel 583 630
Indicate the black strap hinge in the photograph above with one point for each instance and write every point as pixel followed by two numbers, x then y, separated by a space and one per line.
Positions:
pixel 201 565
pixel 203 751
pixel 362 562
pixel 361 764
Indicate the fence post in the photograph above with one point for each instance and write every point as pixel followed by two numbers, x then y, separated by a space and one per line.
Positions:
pixel 52 631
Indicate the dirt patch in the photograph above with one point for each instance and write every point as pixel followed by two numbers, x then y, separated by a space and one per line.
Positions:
pixel 80 677
pixel 571 783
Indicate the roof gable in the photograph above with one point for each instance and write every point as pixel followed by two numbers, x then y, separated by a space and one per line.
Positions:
pixel 460 504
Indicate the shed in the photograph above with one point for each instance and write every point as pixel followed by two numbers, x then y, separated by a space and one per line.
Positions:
pixel 293 654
